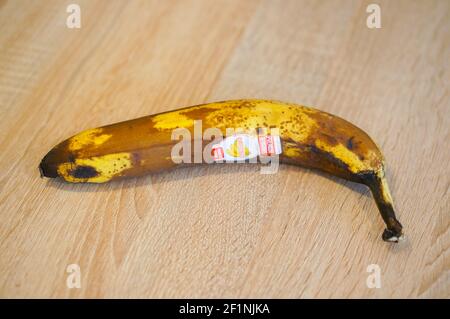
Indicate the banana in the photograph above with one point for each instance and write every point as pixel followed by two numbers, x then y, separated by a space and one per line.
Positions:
pixel 309 138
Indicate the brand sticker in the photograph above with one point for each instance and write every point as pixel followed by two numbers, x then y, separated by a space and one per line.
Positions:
pixel 246 146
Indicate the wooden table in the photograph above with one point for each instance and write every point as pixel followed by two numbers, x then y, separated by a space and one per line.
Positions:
pixel 224 231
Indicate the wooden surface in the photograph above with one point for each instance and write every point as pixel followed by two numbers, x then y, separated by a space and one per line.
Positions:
pixel 224 231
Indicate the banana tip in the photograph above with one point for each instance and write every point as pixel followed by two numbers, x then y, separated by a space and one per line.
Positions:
pixel 47 169
pixel 393 236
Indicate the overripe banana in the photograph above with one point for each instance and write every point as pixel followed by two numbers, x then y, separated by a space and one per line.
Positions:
pixel 309 138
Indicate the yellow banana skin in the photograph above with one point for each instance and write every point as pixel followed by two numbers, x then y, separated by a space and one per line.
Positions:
pixel 309 138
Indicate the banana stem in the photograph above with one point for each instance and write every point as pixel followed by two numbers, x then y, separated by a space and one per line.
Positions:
pixel 380 191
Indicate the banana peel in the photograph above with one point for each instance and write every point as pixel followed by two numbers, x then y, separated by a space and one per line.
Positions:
pixel 310 138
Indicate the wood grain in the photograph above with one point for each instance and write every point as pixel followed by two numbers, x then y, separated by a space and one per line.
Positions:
pixel 224 231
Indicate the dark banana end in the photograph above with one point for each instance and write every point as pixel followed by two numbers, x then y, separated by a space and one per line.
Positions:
pixel 393 235
pixel 377 183
pixel 48 167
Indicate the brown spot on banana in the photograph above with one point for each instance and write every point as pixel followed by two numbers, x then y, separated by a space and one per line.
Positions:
pixel 309 138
